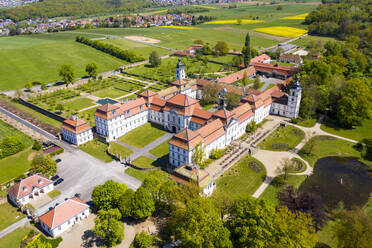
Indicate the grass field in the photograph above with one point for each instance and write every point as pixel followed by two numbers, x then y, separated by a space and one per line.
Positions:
pixel 13 166
pixel 161 151
pixel 8 130
pixel 9 215
pixel 283 139
pixel 88 115
pixel 327 146
pixel 240 179
pixel 54 193
pixel 78 104
pixel 38 57
pixel 111 93
pixel 145 162
pixel 304 41
pixel 140 49
pixel 307 123
pixel 96 149
pixel 143 135
pixel 271 192
pixel 116 148
pixel 357 133
pixel 13 240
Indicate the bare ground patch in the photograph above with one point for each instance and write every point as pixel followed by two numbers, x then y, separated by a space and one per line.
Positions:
pixel 258 34
pixel 142 39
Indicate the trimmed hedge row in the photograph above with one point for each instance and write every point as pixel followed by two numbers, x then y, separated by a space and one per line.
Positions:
pixel 110 49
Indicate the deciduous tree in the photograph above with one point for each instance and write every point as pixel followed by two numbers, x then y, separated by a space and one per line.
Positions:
pixel 198 155
pixel 109 227
pixel 91 69
pixel 221 48
pixel 232 100
pixel 154 59
pixel 67 73
pixel 107 195
pixel 44 164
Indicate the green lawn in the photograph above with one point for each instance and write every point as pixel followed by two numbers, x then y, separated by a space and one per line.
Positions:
pixel 283 139
pixel 307 123
pixel 7 130
pixel 142 135
pixel 145 162
pixel 13 239
pixel 88 115
pixel 161 150
pixel 96 149
pixel 271 192
pixel 119 149
pixel 311 38
pixel 54 193
pixel 15 165
pixel 9 215
pixel 240 179
pixel 140 49
pixel 111 93
pixel 357 133
pixel 325 235
pixel 325 146
pixel 38 57
pixel 78 104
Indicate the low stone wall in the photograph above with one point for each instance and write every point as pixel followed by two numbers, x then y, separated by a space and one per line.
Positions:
pixel 42 111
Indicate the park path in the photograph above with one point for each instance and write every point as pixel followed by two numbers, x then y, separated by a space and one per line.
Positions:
pixel 13 227
pixel 271 159
pixel 144 151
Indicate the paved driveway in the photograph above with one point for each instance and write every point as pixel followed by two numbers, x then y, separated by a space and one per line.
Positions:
pixel 82 172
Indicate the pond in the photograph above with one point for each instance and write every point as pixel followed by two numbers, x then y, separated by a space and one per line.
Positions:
pixel 338 179
pixel 106 100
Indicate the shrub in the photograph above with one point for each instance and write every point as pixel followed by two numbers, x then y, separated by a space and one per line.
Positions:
pixel 294 120
pixel 44 165
pixel 10 145
pixel 56 152
pixel 216 153
pixel 142 240
pixel 36 146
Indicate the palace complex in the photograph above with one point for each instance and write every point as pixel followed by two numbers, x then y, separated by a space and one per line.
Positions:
pixel 177 109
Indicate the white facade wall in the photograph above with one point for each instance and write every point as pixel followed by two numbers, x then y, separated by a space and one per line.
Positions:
pixel 36 193
pixel 120 125
pixel 208 190
pixel 66 225
pixel 77 138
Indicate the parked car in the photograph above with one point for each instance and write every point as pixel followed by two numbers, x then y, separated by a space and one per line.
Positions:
pixel 54 177
pixel 58 160
pixel 60 180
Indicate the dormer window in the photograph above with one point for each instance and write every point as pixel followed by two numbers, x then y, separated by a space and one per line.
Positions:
pixel 24 189
pixel 40 181
pixel 114 112
pixel 141 107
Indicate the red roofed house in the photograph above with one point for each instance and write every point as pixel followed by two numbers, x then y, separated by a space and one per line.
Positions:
pixel 278 71
pixel 64 216
pixel 232 78
pixel 263 58
pixel 29 188
pixel 76 131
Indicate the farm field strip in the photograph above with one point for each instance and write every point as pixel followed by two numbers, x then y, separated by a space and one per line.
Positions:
pixel 282 31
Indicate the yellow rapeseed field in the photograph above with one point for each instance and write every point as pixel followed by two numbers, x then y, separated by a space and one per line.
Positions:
pixel 297 17
pixel 244 21
pixel 203 6
pixel 160 11
pixel 177 27
pixel 282 31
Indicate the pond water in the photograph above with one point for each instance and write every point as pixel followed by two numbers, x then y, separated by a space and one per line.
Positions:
pixel 338 179
pixel 106 100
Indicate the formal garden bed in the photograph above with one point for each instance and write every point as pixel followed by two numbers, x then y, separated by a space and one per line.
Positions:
pixel 54 193
pixel 283 139
pixel 143 135
pixel 111 93
pixel 243 178
pixel 146 163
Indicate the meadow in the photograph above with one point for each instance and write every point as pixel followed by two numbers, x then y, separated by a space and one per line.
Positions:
pixel 38 57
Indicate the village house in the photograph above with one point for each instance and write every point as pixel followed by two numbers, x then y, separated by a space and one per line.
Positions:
pixel 188 173
pixel 28 189
pixel 64 216
pixel 76 131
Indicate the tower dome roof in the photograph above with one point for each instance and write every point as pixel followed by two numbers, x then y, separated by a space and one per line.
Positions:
pixel 179 64
pixel 296 85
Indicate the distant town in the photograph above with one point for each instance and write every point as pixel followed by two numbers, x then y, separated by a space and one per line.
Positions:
pixel 14 3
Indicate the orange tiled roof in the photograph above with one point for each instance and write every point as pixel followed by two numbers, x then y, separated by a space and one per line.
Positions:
pixel 108 111
pixel 259 59
pixel 280 69
pixel 25 186
pixel 201 113
pixel 179 82
pixel 63 212
pixel 148 93
pixel 229 79
pixel 186 139
pixel 75 125
pixel 211 131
